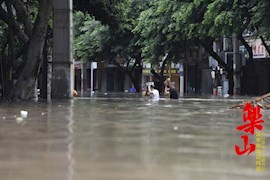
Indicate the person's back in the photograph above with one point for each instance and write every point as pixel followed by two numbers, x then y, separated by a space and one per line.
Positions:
pixel 170 89
pixel 173 94
pixel 154 95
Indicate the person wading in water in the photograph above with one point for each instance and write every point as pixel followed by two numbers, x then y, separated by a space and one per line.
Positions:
pixel 154 93
pixel 170 89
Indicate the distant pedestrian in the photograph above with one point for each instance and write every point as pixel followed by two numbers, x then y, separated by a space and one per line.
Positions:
pixel 170 89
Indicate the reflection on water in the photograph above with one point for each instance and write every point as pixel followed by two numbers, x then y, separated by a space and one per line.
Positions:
pixel 125 138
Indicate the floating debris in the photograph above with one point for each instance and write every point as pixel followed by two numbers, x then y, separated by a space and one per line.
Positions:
pixel 19 120
pixel 24 114
pixel 263 102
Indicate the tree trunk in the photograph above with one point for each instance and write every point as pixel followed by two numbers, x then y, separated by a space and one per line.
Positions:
pixel 25 85
pixel 11 37
pixel 163 68
pixel 220 61
pixel 43 81
pixel 134 81
pixel 247 46
pixel 252 76
pixel 135 74
pixel 209 49
pixel 2 84
pixel 11 48
pixel 231 83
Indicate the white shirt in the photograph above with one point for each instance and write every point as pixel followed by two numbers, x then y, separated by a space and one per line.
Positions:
pixel 154 95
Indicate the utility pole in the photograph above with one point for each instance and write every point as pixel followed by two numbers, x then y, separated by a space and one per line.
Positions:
pixel 236 66
pixel 91 79
pixel 83 76
pixel 62 63
pixel 181 79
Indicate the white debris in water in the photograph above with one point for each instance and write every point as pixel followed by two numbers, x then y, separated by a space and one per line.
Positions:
pixel 4 117
pixel 24 114
pixel 59 105
pixel 42 114
pixel 106 94
pixel 175 128
pixel 15 116
pixel 19 120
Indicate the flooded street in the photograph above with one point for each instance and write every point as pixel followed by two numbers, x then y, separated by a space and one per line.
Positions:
pixel 126 139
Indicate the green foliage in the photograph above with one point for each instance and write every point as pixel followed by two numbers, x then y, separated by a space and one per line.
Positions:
pixel 156 30
pixel 260 21
pixel 94 40
pixel 168 24
pixel 90 37
pixel 225 17
pixel 110 12
pixel 151 28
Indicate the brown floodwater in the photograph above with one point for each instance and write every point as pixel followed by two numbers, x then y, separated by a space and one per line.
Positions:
pixel 126 139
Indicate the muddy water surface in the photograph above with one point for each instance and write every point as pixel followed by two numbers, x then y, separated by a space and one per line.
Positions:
pixel 125 139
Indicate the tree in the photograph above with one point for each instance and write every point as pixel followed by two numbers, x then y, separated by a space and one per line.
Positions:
pixel 96 41
pixel 26 24
pixel 125 42
pixel 169 24
pixel 227 17
pixel 260 22
pixel 28 29
pixel 188 20
pixel 156 39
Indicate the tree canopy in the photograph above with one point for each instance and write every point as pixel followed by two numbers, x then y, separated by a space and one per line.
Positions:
pixel 109 12
pixel 150 29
